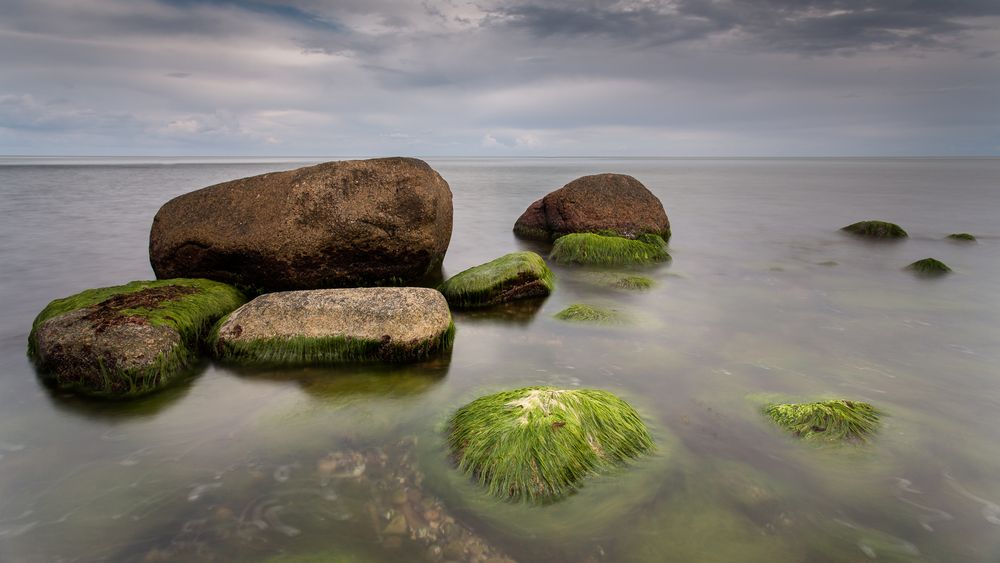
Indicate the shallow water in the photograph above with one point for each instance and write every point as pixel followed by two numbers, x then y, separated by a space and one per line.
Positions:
pixel 764 298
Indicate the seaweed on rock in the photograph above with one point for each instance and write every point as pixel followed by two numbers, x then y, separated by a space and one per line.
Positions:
pixel 513 276
pixel 538 443
pixel 607 250
pixel 638 283
pixel 830 421
pixel 169 317
pixel 876 230
pixel 962 237
pixel 304 351
pixel 581 312
pixel 929 267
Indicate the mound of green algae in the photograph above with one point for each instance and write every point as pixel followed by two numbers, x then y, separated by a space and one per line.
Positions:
pixel 607 250
pixel 539 443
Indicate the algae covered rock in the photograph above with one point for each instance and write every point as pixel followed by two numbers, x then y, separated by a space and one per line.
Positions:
pixel 128 339
pixel 929 267
pixel 876 230
pixel 538 443
pixel 583 313
pixel 607 250
pixel 602 202
pixel 635 283
pixel 830 421
pixel 962 237
pixel 517 275
pixel 337 325
pixel 384 221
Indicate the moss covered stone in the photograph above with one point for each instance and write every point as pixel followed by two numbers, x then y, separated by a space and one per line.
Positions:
pixel 538 443
pixel 638 283
pixel 323 326
pixel 128 339
pixel 876 230
pixel 929 267
pixel 962 237
pixel 605 250
pixel 583 313
pixel 517 275
pixel 827 421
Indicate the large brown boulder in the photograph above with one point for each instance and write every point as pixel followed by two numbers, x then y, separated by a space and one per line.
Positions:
pixel 602 202
pixel 384 221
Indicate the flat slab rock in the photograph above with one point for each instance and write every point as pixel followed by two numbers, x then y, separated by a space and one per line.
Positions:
pixel 396 318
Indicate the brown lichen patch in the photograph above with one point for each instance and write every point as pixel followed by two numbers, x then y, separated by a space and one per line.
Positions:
pixel 112 311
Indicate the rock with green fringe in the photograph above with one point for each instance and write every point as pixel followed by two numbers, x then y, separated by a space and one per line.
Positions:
pixel 602 202
pixel 517 275
pixel 324 326
pixel 826 421
pixel 929 267
pixel 635 283
pixel 128 339
pixel 607 250
pixel 962 237
pixel 583 313
pixel 876 230
pixel 539 443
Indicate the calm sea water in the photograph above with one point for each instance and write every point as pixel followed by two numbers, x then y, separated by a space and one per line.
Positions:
pixel 764 298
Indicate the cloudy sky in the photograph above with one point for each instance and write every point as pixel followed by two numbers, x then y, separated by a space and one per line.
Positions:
pixel 500 77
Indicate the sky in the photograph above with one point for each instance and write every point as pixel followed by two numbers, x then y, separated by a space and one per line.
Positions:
pixel 500 77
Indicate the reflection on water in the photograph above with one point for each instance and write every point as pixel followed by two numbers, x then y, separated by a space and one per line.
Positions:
pixel 763 298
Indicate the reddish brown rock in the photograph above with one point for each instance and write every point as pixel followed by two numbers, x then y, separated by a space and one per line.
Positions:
pixel 383 221
pixel 602 202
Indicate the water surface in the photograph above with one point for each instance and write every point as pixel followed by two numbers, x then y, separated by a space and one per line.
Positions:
pixel 764 298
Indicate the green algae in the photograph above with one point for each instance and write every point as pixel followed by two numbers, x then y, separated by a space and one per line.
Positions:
pixel 876 230
pixel 186 305
pixel 303 351
pixel 538 443
pixel 605 250
pixel 962 237
pixel 826 421
pixel 513 276
pixel 929 267
pixel 638 283
pixel 581 312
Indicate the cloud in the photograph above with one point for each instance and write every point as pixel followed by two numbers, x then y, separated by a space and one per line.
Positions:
pixel 505 77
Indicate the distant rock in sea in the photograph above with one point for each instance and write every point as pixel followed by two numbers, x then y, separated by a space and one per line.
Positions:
pixel 383 221
pixel 610 203
pixel 876 230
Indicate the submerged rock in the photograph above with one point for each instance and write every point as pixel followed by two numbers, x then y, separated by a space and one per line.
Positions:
pixel 962 237
pixel 337 325
pixel 583 313
pixel 538 443
pixel 876 230
pixel 517 275
pixel 128 339
pixel 831 421
pixel 637 283
pixel 384 221
pixel 609 250
pixel 602 202
pixel 929 267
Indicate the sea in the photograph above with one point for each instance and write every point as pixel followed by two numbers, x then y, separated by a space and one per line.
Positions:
pixel 765 300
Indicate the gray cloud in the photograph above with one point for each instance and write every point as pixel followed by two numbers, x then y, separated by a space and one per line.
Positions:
pixel 500 77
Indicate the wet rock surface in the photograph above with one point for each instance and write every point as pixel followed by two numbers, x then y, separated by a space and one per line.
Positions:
pixel 330 325
pixel 382 221
pixel 602 202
